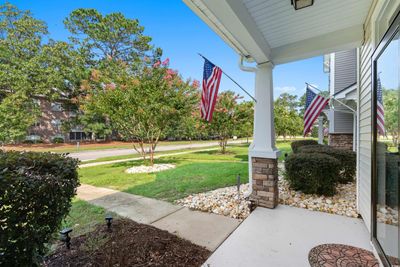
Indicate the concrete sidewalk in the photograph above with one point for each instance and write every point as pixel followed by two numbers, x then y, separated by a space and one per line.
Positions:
pixel 204 229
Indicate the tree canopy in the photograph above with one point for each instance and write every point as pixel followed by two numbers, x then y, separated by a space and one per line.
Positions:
pixel 32 66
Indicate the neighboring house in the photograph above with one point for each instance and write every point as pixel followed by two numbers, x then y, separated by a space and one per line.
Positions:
pixel 49 125
pixel 272 32
pixel 343 87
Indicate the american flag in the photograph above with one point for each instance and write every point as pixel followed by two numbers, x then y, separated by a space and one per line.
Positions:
pixel 314 106
pixel 211 79
pixel 380 112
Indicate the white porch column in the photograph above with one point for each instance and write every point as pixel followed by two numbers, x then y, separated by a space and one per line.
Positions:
pixel 320 130
pixel 264 132
pixel 263 155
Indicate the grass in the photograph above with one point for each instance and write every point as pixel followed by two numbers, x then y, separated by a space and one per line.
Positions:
pixel 240 150
pixel 195 172
pixel 83 216
pixel 135 156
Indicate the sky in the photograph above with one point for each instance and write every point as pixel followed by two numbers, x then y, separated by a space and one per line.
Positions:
pixel 181 35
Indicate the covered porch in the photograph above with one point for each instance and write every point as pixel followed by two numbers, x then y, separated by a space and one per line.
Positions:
pixel 284 237
pixel 272 32
pixel 266 33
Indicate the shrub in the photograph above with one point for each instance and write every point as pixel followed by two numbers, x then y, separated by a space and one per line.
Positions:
pixel 35 196
pixel 392 179
pixel 347 159
pixel 312 173
pixel 57 140
pixel 299 143
pixel 39 141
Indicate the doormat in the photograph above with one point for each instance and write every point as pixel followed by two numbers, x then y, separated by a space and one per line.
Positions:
pixel 338 255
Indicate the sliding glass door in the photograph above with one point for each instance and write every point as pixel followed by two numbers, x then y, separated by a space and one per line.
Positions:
pixel 386 161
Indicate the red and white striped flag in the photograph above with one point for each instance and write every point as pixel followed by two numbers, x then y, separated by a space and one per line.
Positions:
pixel 314 106
pixel 211 79
pixel 380 111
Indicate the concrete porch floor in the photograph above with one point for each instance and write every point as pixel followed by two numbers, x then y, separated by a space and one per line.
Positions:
pixel 284 236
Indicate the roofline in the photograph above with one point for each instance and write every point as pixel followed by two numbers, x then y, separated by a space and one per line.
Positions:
pixel 347 88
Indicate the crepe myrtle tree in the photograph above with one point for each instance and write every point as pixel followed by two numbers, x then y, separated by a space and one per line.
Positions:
pixel 227 118
pixel 141 107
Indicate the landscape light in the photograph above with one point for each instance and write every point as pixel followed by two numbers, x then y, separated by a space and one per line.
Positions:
pixel 109 219
pixel 65 236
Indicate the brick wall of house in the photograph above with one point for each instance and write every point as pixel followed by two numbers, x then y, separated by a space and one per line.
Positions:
pixel 342 141
pixel 46 127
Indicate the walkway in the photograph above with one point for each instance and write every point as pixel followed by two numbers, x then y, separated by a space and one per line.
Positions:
pixel 284 236
pixel 204 229
pixel 96 154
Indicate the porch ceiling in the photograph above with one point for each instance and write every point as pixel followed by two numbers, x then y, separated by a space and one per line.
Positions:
pixel 272 30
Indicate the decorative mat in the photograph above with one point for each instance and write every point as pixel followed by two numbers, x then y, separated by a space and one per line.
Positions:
pixel 338 255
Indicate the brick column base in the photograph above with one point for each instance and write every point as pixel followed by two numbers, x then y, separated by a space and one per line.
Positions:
pixel 265 182
pixel 342 141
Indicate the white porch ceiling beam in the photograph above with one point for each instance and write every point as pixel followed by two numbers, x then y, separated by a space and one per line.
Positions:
pixel 232 22
pixel 324 44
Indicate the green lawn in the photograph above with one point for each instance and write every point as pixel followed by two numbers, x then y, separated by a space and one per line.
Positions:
pixel 195 172
pixel 283 146
pixel 135 156
pixel 84 216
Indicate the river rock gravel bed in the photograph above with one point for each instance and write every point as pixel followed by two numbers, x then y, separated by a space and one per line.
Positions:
pixel 225 201
pixel 150 169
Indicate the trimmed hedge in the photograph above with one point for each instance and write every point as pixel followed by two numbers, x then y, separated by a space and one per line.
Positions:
pixel 347 159
pixel 299 143
pixel 35 196
pixel 57 140
pixel 312 173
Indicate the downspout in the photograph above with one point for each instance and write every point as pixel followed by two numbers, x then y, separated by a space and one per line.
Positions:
pixel 243 67
pixel 248 69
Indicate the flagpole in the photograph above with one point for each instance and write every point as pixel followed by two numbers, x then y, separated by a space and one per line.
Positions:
pixel 340 102
pixel 231 79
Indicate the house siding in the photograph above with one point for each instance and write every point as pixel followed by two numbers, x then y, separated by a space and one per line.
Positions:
pixel 365 130
pixel 343 122
pixel 345 69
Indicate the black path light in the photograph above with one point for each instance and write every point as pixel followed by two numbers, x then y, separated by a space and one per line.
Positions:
pixel 238 186
pixel 109 219
pixel 65 237
pixel 299 4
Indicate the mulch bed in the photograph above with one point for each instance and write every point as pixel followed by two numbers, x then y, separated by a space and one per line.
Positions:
pixel 128 244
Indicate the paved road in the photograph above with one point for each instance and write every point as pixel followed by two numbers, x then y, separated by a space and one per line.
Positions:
pixel 95 154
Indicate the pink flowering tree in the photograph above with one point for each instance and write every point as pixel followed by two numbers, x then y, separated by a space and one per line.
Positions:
pixel 142 106
pixel 227 118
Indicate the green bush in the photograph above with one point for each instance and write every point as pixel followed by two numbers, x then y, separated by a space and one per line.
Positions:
pixel 299 143
pixel 347 159
pixel 312 173
pixel 57 140
pixel 35 196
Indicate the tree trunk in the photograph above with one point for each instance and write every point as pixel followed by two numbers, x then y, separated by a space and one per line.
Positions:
pixel 222 144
